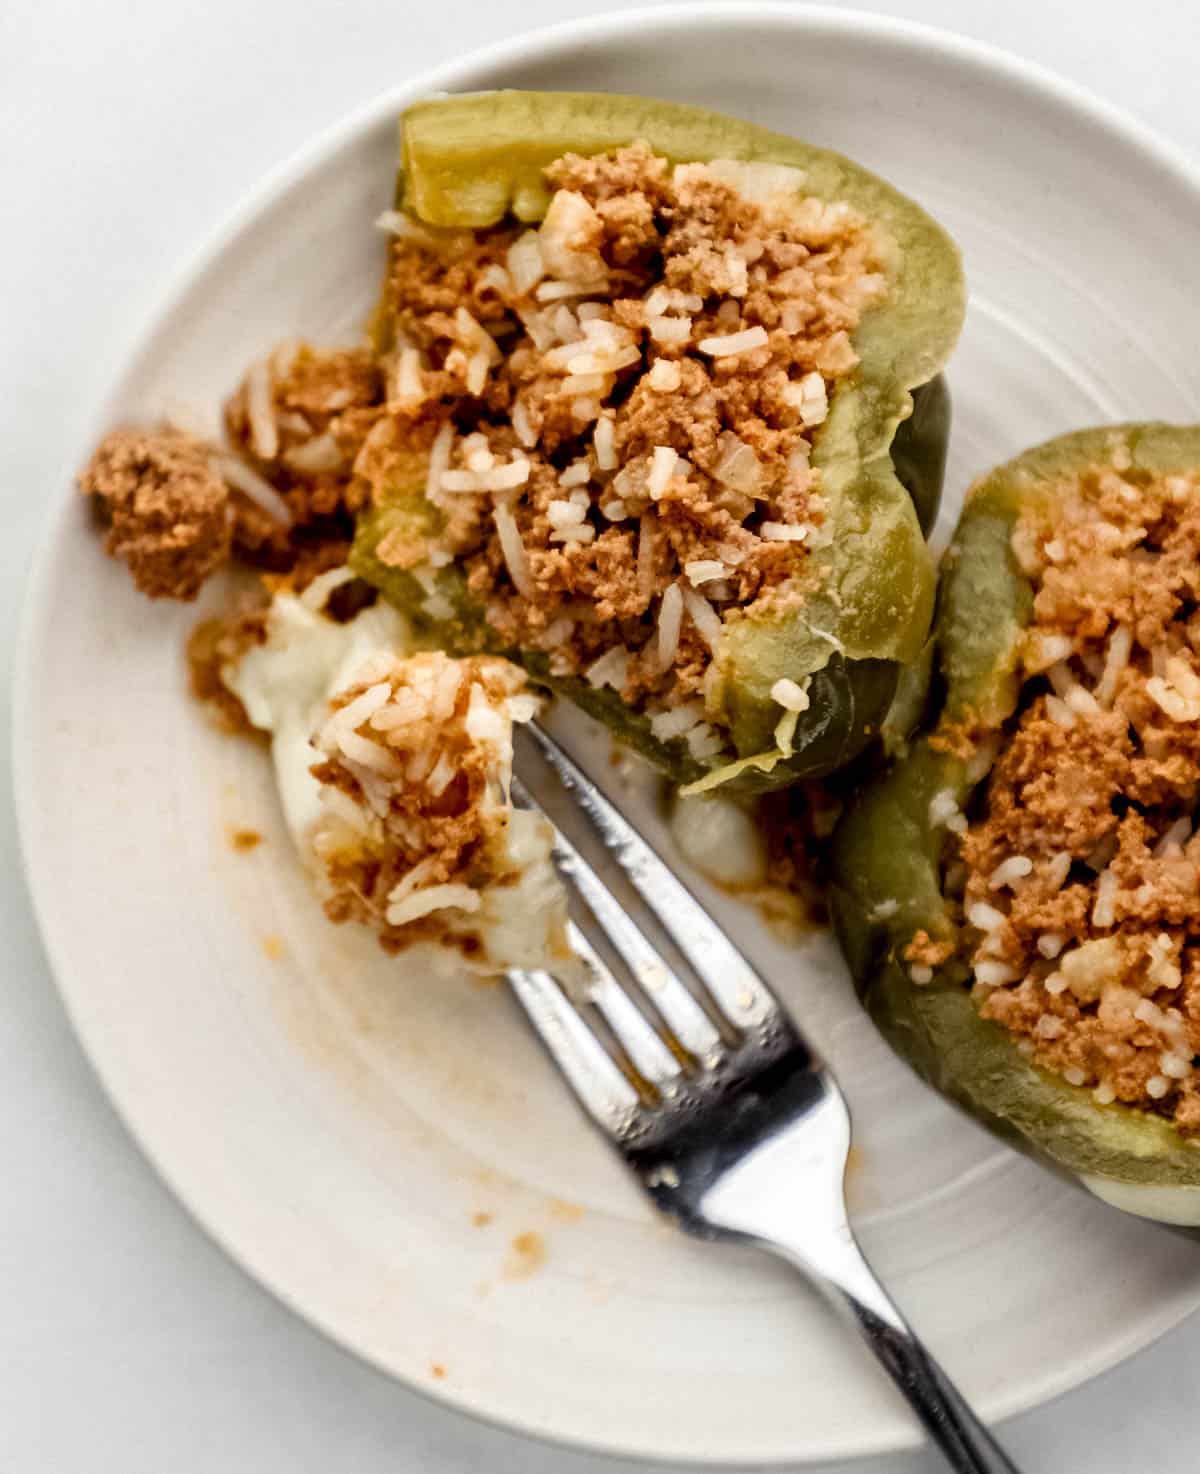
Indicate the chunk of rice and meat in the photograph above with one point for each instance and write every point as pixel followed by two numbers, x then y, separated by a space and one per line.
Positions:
pixel 614 411
pixel 1078 869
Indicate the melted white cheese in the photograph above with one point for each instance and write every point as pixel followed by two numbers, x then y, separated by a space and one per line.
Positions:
pixel 286 682
pixel 524 924
pixel 285 685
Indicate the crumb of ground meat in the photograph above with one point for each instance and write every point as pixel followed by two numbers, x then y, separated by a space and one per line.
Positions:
pixel 401 549
pixel 959 739
pixel 1082 865
pixel 257 536
pixel 924 951
pixel 222 641
pixel 167 509
pixel 559 380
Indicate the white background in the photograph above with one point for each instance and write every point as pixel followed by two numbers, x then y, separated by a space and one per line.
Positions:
pixel 127 132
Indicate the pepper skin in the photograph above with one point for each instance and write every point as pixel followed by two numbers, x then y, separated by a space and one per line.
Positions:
pixel 867 596
pixel 886 858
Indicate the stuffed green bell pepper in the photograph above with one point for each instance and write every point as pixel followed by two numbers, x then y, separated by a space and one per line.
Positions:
pixel 664 421
pixel 1019 896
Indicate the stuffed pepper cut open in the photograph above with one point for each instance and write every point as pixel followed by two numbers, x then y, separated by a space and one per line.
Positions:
pixel 664 421
pixel 1019 897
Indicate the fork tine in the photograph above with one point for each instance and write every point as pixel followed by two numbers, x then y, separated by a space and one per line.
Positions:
pixel 647 1053
pixel 668 997
pixel 735 987
pixel 608 1096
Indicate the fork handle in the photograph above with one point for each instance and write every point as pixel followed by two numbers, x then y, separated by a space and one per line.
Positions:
pixel 967 1445
pixel 851 1285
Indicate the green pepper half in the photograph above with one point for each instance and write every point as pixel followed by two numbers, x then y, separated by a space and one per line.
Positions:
pixel 473 160
pixel 886 871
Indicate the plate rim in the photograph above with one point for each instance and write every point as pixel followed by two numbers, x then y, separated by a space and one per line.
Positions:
pixel 538 44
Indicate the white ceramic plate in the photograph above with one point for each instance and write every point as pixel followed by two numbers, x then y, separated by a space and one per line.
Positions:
pixel 368 1142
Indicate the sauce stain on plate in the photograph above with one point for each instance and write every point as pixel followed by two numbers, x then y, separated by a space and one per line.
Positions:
pixel 862 1193
pixel 526 1256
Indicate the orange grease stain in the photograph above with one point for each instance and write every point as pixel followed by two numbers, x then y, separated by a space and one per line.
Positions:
pixel 527 1255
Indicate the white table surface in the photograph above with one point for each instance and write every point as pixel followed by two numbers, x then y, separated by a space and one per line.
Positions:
pixel 128 1343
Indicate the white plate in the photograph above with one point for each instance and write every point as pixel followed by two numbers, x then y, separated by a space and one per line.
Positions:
pixel 341 1123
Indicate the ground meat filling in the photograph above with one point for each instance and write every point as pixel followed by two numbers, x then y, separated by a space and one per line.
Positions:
pixel 167 509
pixel 1082 871
pixel 298 422
pixel 281 496
pixel 417 757
pixel 617 408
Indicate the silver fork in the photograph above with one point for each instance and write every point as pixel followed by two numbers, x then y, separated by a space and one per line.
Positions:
pixel 717 1104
